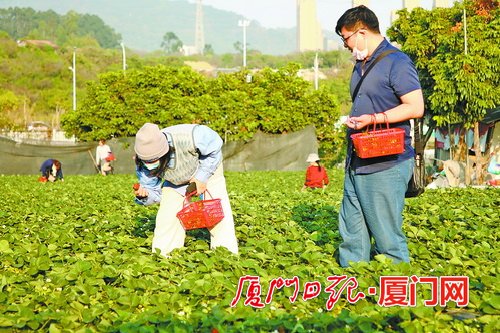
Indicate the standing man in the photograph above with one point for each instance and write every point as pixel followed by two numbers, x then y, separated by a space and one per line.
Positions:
pixel 374 188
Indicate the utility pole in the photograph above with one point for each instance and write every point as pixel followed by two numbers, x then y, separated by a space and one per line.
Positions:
pixel 73 70
pixel 124 58
pixel 465 31
pixel 316 71
pixel 244 24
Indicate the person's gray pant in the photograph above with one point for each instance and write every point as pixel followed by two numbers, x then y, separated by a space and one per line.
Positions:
pixel 372 206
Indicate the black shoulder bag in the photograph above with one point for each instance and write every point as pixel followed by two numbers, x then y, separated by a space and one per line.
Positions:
pixel 416 185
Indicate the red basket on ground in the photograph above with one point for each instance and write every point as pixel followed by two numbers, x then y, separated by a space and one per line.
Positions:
pixel 381 142
pixel 200 214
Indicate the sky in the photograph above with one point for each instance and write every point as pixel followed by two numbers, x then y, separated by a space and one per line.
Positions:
pixel 282 13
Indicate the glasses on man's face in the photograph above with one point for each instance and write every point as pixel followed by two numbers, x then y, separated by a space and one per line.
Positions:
pixel 347 38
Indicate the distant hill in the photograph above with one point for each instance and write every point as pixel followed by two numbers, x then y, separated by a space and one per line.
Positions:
pixel 142 23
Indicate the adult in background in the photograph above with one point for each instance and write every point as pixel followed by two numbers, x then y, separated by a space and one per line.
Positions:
pixel 167 161
pixel 493 176
pixel 374 188
pixel 316 176
pixel 51 170
pixel 103 157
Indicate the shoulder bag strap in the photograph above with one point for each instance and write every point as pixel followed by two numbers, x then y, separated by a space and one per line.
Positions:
pixel 419 149
pixel 382 55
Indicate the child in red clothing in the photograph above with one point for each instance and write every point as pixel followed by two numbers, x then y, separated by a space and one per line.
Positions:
pixel 316 176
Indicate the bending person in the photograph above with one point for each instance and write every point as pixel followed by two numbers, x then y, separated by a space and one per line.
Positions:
pixel 51 169
pixel 167 161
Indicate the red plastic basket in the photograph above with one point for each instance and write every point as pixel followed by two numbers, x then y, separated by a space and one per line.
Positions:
pixel 381 142
pixel 200 214
pixel 111 157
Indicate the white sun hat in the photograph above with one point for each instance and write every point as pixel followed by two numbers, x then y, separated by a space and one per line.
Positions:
pixel 312 158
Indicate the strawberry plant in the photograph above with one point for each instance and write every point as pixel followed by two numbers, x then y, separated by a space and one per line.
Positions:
pixel 76 257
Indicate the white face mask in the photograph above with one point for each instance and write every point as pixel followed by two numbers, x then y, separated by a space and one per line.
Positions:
pixel 360 54
pixel 153 165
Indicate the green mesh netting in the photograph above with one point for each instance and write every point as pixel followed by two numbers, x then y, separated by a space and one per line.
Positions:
pixel 286 152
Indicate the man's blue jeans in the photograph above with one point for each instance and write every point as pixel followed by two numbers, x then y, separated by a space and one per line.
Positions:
pixel 372 206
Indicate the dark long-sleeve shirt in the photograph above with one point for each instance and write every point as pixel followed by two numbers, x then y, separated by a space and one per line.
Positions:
pixel 46 169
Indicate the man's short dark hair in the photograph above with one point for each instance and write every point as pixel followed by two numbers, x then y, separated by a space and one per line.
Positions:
pixel 357 18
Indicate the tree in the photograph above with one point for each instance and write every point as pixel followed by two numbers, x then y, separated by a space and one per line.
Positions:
pixel 28 23
pixel 208 50
pixel 171 43
pixel 94 26
pixel 275 101
pixel 458 60
pixel 18 22
pixel 238 46
pixel 9 103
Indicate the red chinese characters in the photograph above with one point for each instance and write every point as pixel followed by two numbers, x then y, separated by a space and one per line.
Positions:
pixel 393 290
pixel 401 290
pixel 253 292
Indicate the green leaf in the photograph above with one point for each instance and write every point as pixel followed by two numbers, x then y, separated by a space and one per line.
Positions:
pixel 455 261
pixel 4 247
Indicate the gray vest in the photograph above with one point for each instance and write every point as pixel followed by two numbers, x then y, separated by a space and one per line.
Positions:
pixel 184 159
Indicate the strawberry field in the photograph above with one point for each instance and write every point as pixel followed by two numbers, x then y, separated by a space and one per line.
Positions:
pixel 76 257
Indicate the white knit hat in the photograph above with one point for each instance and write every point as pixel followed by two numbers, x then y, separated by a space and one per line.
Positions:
pixel 150 142
pixel 312 158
